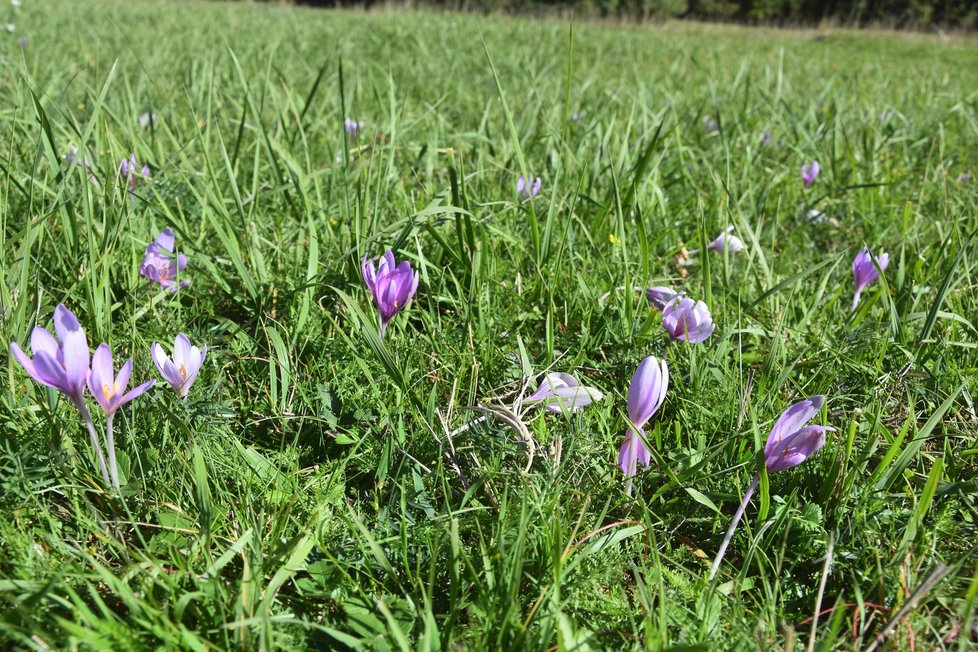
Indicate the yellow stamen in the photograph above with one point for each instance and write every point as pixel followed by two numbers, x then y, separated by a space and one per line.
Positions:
pixel 108 391
pixel 183 372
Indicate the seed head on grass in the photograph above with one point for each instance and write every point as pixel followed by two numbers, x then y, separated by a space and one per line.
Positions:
pixel 646 393
pixel 687 320
pixel 392 285
pixel 160 265
pixel 180 371
pixel 559 391
pixel 865 273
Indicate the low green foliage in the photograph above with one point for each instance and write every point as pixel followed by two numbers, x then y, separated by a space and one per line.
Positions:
pixel 325 488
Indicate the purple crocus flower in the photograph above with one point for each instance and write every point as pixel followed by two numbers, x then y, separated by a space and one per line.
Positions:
pixel 160 265
pixel 659 296
pixel 809 172
pixel 129 169
pixel 727 241
pixel 23 41
pixel 964 178
pixel 559 391
pixel 353 127
pixel 710 125
pixel 182 370
pixel 392 285
pixel 646 393
pixel 529 187
pixel 790 443
pixel 864 272
pixel 63 366
pixel 108 388
pixel 766 138
pixel 687 320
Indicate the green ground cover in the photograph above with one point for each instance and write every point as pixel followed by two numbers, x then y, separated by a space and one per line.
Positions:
pixel 322 487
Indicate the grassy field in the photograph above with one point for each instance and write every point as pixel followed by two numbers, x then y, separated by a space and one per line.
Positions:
pixel 321 487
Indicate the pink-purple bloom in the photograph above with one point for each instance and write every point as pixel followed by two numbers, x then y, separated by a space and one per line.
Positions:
pixel 529 187
pixel 161 266
pixel 130 170
pixel 791 441
pixel 560 391
pixel 809 172
pixel 766 138
pixel 109 389
pixel 62 363
pixel 392 285
pixel 964 178
pixel 864 272
pixel 181 370
pixel 646 393
pixel 687 320
pixel 148 119
pixel 727 241
pixel 353 127
pixel 659 296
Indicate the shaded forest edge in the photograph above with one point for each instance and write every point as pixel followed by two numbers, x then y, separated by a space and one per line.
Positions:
pixel 899 14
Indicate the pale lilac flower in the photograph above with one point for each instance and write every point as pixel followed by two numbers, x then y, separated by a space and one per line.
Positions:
pixel 107 389
pixel 559 391
pixel 809 172
pixel 63 366
pixel 864 272
pixel 72 158
pixel 687 320
pixel 393 286
pixel 646 393
pixel 727 240
pixel 180 371
pixel 353 127
pixel 148 119
pixel 790 443
pixel 659 296
pixel 964 178
pixel 529 187
pixel 129 169
pixel 23 41
pixel 577 116
pixel 766 138
pixel 160 265
pixel 710 125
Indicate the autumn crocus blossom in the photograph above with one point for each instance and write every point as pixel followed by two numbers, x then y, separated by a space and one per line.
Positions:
pixel 393 286
pixel 108 390
pixel 687 320
pixel 727 241
pixel 809 172
pixel 791 442
pixel 129 168
pixel 529 187
pixel 160 265
pixel 352 127
pixel 646 393
pixel 180 371
pixel 63 364
pixel 659 296
pixel 865 273
pixel 560 391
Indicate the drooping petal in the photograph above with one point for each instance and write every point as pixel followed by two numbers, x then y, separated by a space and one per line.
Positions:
pixel 573 399
pixel 659 296
pixel 796 448
pixel 793 419
pixel 136 392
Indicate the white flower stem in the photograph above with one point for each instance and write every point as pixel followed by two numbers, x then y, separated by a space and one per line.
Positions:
pixel 733 526
pixel 87 417
pixel 110 443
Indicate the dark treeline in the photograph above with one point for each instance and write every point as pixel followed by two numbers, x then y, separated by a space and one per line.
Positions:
pixel 913 14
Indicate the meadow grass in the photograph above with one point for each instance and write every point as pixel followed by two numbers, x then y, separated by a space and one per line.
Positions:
pixel 323 488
